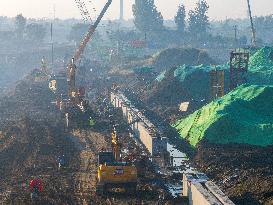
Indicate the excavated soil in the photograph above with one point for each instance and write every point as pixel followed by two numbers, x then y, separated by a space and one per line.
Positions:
pixel 32 136
pixel 244 172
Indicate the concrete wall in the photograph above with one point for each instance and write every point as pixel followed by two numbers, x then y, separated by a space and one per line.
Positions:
pixel 145 137
pixel 203 193
pixel 154 144
pixel 198 195
pixel 214 189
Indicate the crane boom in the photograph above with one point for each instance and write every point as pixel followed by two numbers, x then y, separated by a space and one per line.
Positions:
pixel 71 68
pixel 90 32
pixel 252 25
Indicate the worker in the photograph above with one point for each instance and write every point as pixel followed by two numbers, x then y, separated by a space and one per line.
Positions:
pixel 91 122
pixel 61 161
pixel 36 188
pixel 161 198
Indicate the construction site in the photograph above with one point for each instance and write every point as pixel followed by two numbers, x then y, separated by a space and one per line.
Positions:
pixel 136 111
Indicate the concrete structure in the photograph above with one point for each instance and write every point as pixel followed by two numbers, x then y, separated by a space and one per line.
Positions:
pixel 203 192
pixel 141 127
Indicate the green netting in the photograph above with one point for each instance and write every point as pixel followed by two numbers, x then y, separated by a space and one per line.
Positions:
pixel 262 60
pixel 245 115
pixel 194 79
pixel 261 67
pixel 143 70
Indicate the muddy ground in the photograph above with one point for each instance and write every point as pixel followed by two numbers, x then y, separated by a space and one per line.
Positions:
pixel 32 136
pixel 244 172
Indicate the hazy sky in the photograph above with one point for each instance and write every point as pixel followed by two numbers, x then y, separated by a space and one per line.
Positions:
pixel 219 9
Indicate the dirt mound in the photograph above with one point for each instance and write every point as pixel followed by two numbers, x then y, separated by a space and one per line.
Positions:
pixel 31 138
pixel 243 116
pixel 165 59
pixel 180 84
pixel 179 56
pixel 244 172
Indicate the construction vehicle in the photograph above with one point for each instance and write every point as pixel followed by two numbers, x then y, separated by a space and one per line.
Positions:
pixel 77 107
pixel 113 174
pixel 73 104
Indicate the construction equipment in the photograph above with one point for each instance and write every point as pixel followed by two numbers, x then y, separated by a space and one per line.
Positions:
pixel 113 174
pixel 238 68
pixel 71 68
pixel 254 41
pixel 115 145
pixel 76 108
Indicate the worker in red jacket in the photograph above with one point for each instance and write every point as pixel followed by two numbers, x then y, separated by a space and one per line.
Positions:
pixel 36 187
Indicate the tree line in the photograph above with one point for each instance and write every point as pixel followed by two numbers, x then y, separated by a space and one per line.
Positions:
pixel 32 32
pixel 149 20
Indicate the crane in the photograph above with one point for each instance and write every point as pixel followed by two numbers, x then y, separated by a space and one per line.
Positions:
pixel 252 25
pixel 71 68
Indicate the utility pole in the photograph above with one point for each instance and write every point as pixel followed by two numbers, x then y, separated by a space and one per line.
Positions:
pixel 52 46
pixel 235 35
pixel 51 38
pixel 252 25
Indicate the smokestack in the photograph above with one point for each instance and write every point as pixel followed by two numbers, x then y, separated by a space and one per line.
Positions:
pixel 121 11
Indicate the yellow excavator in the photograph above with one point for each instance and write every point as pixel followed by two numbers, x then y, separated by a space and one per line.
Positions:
pixel 113 174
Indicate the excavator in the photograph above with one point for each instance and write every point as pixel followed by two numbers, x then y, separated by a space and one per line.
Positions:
pixel 113 174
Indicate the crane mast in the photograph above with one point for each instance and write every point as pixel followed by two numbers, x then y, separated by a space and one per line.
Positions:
pixel 252 25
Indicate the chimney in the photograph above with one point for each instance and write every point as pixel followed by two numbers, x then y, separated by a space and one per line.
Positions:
pixel 121 11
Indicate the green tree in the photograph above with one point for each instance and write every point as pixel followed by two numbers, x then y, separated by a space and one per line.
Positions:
pixel 180 19
pixel 146 17
pixel 198 19
pixel 35 32
pixel 20 24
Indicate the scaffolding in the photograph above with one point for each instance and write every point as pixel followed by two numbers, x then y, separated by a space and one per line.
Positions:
pixel 217 83
pixel 238 68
